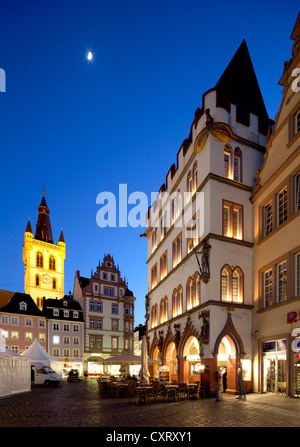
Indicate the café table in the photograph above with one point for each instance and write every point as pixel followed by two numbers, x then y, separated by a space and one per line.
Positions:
pixel 171 391
pixel 142 393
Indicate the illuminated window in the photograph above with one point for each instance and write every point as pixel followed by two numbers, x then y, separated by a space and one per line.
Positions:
pixel 114 342
pixel 232 284
pixel 196 290
pixel 189 294
pixel 28 335
pixel 281 282
pixel 227 162
pixel 237 165
pixel 52 263
pixel 268 218
pixel 282 206
pixel 193 232
pixel 114 325
pixel 163 266
pixel 189 185
pixel 154 315
pixel 267 291
pixel 39 259
pixel 164 309
pixel 176 251
pixel 154 239
pixel 232 220
pixel 154 276
pixel 195 178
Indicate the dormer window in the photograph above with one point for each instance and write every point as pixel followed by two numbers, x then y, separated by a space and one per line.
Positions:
pixel 23 306
pixel 65 303
pixel 55 312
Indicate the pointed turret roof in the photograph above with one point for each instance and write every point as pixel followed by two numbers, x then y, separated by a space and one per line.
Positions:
pixel 43 230
pixel 61 237
pixel 238 85
pixel 28 228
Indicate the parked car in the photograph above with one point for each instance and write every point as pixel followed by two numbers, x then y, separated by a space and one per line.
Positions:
pixel 74 376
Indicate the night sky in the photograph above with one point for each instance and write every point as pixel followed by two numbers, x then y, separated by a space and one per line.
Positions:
pixel 84 127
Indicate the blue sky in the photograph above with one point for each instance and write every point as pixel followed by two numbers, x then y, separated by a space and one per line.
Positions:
pixel 84 128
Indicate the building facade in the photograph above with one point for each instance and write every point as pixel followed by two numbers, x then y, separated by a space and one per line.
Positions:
pixel 43 260
pixel 65 329
pixel 200 237
pixel 21 321
pixel 108 307
pixel 276 199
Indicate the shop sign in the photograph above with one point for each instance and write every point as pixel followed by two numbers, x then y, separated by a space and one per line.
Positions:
pixel 292 317
pixel 296 345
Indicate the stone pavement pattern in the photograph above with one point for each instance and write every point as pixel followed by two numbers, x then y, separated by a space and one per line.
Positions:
pixel 82 405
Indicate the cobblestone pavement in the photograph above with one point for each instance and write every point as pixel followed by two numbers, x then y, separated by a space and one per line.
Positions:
pixel 82 405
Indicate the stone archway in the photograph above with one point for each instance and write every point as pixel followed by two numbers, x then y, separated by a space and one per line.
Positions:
pixel 228 350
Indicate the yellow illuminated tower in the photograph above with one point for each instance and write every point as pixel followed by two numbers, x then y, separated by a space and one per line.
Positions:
pixel 43 260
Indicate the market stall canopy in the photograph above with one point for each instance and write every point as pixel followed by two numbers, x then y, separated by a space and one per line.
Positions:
pixel 37 353
pixel 127 358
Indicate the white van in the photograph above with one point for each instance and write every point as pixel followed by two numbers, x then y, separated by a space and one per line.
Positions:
pixel 42 374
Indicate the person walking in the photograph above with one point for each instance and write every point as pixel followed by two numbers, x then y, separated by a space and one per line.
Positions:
pixel 224 379
pixel 241 384
pixel 218 384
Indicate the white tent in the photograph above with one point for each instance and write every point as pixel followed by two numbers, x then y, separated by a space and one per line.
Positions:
pixel 15 374
pixel 37 353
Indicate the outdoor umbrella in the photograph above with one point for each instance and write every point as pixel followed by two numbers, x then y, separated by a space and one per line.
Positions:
pixel 144 372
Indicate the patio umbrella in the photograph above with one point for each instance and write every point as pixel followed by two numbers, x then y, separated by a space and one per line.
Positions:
pixel 144 372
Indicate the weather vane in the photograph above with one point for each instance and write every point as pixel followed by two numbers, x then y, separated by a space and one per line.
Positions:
pixel 43 185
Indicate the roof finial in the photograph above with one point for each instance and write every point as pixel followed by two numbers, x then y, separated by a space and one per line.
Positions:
pixel 44 186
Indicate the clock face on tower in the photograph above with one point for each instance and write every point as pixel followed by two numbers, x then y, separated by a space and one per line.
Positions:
pixel 46 279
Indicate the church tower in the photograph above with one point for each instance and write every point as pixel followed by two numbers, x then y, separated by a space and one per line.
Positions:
pixel 43 260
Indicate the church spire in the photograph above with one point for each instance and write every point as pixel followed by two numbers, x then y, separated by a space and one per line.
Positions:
pixel 43 230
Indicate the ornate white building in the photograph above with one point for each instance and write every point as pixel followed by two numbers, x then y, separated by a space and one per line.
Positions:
pixel 200 236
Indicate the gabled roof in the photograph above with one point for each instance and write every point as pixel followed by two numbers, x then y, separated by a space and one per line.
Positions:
pixel 238 85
